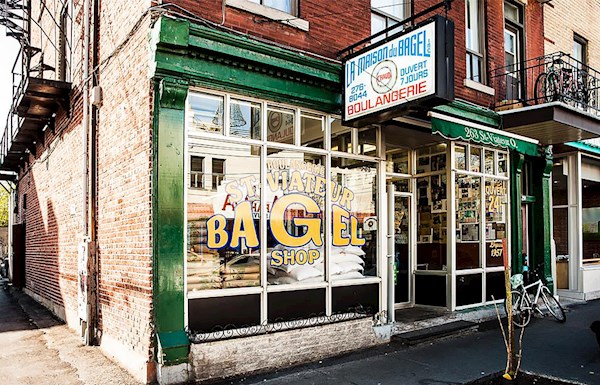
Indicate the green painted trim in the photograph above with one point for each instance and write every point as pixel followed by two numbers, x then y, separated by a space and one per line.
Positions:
pixel 544 220
pixel 173 347
pixel 528 199
pixel 172 94
pixel 585 147
pixel 517 162
pixel 225 61
pixel 175 32
pixel 455 131
pixel 168 220
pixel 472 112
pixel 251 50
pixel 222 77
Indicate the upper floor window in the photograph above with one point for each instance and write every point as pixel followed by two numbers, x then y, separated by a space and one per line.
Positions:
pixel 287 6
pixel 387 13
pixel 514 49
pixel 580 50
pixel 474 40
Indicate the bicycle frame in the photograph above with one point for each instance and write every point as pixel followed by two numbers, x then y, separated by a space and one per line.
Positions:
pixel 532 305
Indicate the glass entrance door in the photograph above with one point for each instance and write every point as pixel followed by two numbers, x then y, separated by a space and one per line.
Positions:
pixel 402 250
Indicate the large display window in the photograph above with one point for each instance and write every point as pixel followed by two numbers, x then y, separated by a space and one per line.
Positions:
pixel 282 207
pixel 481 210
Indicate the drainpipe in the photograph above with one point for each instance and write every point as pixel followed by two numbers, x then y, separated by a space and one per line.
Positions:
pixel 93 255
pixel 86 327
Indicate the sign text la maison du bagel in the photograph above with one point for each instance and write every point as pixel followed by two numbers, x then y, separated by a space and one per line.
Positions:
pixel 390 74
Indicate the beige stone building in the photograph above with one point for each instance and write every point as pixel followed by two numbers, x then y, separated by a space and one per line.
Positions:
pixel 571 27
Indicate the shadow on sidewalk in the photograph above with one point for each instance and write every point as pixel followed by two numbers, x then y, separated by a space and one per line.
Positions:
pixel 18 312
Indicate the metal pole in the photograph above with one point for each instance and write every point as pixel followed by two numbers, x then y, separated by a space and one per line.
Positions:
pixel 88 331
pixel 391 253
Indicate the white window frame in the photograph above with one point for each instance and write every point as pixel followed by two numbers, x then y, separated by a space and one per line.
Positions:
pixel 291 19
pixel 388 18
pixel 225 137
pixel 479 18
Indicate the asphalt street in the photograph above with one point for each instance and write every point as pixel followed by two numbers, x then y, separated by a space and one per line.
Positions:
pixel 35 348
pixel 567 351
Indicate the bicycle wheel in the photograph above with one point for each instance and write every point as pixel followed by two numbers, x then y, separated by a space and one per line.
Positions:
pixel 553 305
pixel 546 88
pixel 540 88
pixel 521 312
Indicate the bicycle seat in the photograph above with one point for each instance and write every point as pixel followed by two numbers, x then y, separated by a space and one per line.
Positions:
pixel 516 280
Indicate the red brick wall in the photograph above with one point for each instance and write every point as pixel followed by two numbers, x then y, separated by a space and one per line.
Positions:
pixel 494 42
pixel 336 25
pixel 52 182
pixel 333 25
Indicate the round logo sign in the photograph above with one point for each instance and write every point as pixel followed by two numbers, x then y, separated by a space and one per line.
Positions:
pixel 275 120
pixel 384 76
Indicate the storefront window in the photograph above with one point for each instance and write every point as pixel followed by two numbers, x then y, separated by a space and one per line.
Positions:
pixel 295 201
pixel 460 154
pixel 367 142
pixel 475 159
pixel 223 216
pixel 489 161
pixel 312 130
pixel 234 255
pixel 502 164
pixel 354 218
pixel 245 119
pixel 560 182
pixel 431 159
pixel 341 137
pixel 468 221
pixel 281 125
pixel 397 162
pixel 496 199
pixel 590 220
pixel 206 113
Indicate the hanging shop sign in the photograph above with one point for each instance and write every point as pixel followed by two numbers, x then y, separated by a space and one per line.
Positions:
pixel 295 195
pixel 407 67
pixel 456 129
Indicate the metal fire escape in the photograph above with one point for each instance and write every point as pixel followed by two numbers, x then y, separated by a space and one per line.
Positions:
pixel 40 89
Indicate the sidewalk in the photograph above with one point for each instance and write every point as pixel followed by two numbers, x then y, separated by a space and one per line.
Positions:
pixel 567 351
pixel 37 349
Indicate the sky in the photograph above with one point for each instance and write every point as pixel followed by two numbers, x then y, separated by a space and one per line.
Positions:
pixel 8 52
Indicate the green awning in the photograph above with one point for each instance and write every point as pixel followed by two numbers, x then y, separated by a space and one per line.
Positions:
pixel 457 129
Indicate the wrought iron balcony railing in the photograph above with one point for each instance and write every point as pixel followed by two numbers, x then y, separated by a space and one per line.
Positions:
pixel 551 78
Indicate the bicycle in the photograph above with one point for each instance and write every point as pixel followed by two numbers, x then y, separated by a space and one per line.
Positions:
pixel 524 305
pixel 567 84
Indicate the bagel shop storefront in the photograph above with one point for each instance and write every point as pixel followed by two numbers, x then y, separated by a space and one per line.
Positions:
pixel 273 210
pixel 461 195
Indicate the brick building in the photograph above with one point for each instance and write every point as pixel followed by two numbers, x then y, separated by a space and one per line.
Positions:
pixel 568 28
pixel 194 189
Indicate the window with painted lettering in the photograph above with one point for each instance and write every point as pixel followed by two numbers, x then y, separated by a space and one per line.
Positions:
pixel 295 202
pixel 223 231
pixel 481 206
pixel 354 219
pixel 281 208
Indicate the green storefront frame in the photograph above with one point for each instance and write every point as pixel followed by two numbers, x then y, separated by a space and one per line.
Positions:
pixel 466 122
pixel 184 56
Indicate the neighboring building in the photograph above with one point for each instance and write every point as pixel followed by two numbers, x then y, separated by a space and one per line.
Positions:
pixel 569 28
pixel 222 210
